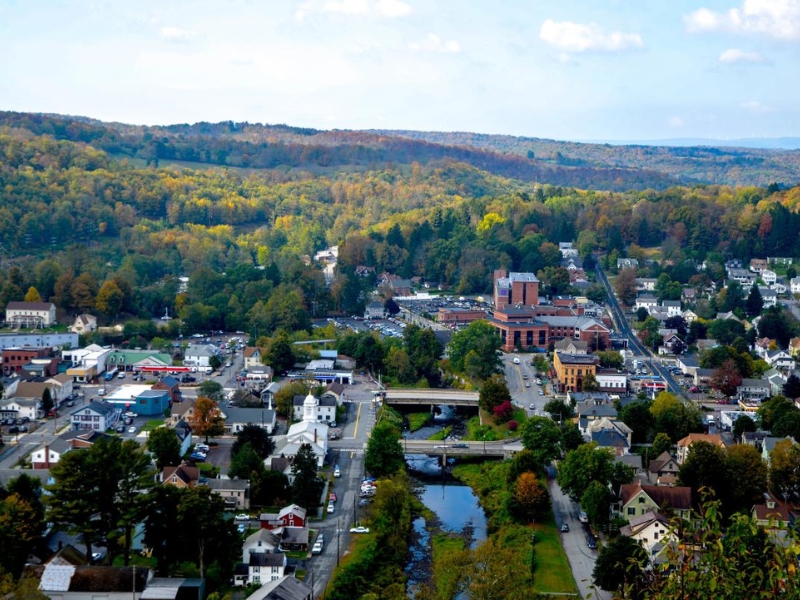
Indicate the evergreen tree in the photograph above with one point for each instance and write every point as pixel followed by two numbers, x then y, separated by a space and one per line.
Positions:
pixel 755 303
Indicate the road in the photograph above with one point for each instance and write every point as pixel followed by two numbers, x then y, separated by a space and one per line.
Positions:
pixel 633 341
pixel 529 397
pixel 581 558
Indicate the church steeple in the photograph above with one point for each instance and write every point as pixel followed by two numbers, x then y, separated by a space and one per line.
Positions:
pixel 310 409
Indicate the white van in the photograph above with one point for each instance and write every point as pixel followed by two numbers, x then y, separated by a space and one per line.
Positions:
pixel 336 471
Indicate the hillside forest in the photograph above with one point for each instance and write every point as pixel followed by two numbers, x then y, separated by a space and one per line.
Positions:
pixel 94 229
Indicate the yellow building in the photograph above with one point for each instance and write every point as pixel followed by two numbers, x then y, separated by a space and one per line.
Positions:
pixel 572 369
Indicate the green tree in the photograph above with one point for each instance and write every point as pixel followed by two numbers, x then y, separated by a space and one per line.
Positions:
pixel 622 567
pixel 384 456
pixel 279 353
pixel 245 462
pixel 559 410
pixel 258 438
pixel 638 417
pixel 784 471
pixel 47 401
pixel 210 389
pixel 582 466
pixel 704 467
pixel 742 424
pixel 494 392
pixel 661 443
pixel 21 526
pixel 542 437
pixel 745 477
pixel 755 303
pixel 163 444
pixel 473 350
pixel 791 389
pixel 269 488
pixel 306 486
pixel 596 503
pixel 285 396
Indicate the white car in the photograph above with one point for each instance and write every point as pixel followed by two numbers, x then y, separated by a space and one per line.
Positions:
pixel 242 517
pixel 132 429
pixel 359 530
pixel 317 548
pixel 331 507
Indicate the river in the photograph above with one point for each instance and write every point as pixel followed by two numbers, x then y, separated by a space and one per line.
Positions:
pixel 454 504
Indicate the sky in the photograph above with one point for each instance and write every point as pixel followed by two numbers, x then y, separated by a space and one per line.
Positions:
pixel 565 69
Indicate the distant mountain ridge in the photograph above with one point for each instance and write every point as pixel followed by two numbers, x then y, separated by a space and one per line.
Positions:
pixel 574 164
pixel 776 143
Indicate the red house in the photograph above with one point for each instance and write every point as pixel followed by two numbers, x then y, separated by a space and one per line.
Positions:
pixel 290 516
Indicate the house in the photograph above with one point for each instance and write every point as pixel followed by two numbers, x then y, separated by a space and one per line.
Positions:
pixel 569 345
pixel 769 277
pixel 646 284
pixel 293 539
pixel 200 355
pixel 326 408
pixel 289 516
pixel 753 389
pixel 590 411
pixel 768 296
pixel 780 359
pixel 771 514
pixel 757 265
pixel 182 411
pixel 285 588
pixel 171 385
pixel 688 364
pixel 689 296
pixel 182 476
pixel 253 357
pixel 61 387
pixel 794 285
pixel 400 287
pixel 665 465
pixel 60 580
pixel 685 444
pixel 260 568
pixel 646 301
pixel 374 310
pixel 18 407
pixel 48 455
pixel 567 250
pixel 784 261
pixel 235 492
pixel 627 263
pixel 673 307
pixel 672 344
pixel 794 346
pixel 650 530
pixel 746 278
pixel 136 360
pixel 83 324
pixel 638 500
pixel 610 433
pixel 262 541
pixel 237 418
pixel 611 381
pixel 632 461
pixel 30 314
pixel 184 434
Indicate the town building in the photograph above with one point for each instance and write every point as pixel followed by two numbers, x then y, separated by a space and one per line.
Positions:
pixel 31 314
pixel 572 369
pixel 515 289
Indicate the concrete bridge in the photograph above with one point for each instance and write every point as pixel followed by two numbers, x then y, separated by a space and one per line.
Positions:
pixel 419 396
pixel 499 449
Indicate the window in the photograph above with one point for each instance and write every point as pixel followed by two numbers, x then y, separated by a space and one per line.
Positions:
pixel 631 510
pixel 641 499
pixel 655 536
pixel 256 569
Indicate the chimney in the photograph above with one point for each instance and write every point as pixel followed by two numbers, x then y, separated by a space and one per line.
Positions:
pixel 47 456
pixel 315 435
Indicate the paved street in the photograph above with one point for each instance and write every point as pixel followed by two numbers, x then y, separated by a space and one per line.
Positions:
pixel 581 558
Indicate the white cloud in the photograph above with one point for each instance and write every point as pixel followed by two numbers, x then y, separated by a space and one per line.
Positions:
pixel 779 19
pixel 579 37
pixel 434 43
pixel 176 34
pixel 676 122
pixel 754 106
pixel 733 56
pixel 384 8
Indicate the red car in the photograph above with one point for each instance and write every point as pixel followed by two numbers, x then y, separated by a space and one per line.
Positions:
pixel 333 497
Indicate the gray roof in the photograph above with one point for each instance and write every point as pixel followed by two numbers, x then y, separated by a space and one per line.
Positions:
pixel 608 438
pixel 101 408
pixel 227 484
pixel 249 415
pixel 285 588
pixel 267 559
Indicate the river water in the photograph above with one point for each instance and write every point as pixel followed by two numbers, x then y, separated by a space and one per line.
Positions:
pixel 455 506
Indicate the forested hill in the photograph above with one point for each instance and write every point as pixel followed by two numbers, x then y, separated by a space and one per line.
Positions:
pixel 256 146
pixel 706 164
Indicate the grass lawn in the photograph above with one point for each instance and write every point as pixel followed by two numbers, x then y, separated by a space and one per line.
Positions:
pixel 441 435
pixel 154 424
pixel 553 573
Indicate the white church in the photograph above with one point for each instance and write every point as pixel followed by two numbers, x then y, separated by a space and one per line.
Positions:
pixel 308 431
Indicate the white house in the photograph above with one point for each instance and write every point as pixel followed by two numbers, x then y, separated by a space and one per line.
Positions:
pixel 627 263
pixel 780 359
pixel 374 310
pixel 646 284
pixel 199 355
pixel 20 408
pixel 31 314
pixel 673 307
pixel 753 389
pixel 769 277
pixel 769 296
pixel 98 416
pixel 794 285
pixel 237 418
pixel 651 530
pixel 646 301
pixel 689 316
pixel 252 357
pixel 84 323
pixel 743 276
pixel 326 408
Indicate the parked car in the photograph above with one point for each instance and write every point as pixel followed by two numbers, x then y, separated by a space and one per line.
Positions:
pixel 336 471
pixel 23 429
pixel 564 527
pixel 359 530
pixel 132 429
pixel 13 429
pixel 527 384
pixel 242 517
pixel 317 548
pixel 591 542
pixel 333 497
pixel 460 445
pixel 331 507
pixel 583 518
pixel 120 428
